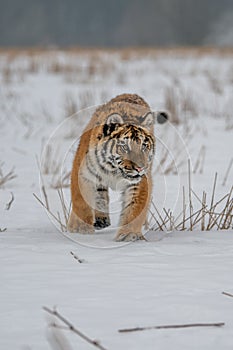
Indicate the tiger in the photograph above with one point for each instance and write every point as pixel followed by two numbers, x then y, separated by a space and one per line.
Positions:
pixel 116 151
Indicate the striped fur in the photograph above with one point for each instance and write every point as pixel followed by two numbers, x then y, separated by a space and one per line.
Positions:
pixel 116 150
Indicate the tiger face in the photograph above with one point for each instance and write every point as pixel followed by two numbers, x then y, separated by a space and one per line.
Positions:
pixel 134 154
pixel 125 150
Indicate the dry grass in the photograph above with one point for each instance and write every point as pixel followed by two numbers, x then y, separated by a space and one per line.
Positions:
pixel 171 104
pixel 70 105
pixel 63 181
pixel 50 163
pixel 60 217
pixel 196 213
pixel 6 75
pixel 74 104
pixel 214 82
pixel 217 215
pixel 200 161
pixel 188 104
pixel 6 177
pixel 172 150
pixel 227 172
pixel 180 104
pixel 27 121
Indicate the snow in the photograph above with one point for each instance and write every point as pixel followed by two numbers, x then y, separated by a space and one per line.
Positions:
pixel 175 277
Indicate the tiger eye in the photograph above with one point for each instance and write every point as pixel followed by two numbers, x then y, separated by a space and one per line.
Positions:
pixel 145 147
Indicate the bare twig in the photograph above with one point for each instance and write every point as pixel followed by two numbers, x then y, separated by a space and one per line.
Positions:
pixel 228 216
pixel 157 222
pixel 203 211
pixel 162 220
pixel 3 229
pixel 8 205
pixel 61 181
pixel 174 326
pixel 73 329
pixel 212 202
pixel 227 294
pixel 77 258
pixel 66 212
pixel 227 172
pixel 190 197
pixel 4 178
pixel 60 222
pixel 45 197
pixel 224 210
pixel 200 160
pixel 54 216
pixel 184 210
pixel 49 163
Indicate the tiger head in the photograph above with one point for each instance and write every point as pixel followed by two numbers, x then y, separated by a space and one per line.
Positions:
pixel 125 148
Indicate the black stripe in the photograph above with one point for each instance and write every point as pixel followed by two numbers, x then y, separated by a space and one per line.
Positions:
pixel 113 166
pixel 113 143
pixel 130 204
pixel 94 174
pixel 104 149
pixel 90 168
pixel 99 164
pixel 101 189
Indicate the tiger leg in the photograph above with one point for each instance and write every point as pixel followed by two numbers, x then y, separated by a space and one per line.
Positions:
pixel 135 206
pixel 102 219
pixel 82 215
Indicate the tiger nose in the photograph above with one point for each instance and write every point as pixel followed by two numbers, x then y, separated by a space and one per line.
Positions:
pixel 139 169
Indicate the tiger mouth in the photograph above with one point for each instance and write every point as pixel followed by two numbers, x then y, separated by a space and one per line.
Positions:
pixel 130 176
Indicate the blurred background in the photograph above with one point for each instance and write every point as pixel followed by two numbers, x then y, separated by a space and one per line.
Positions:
pixel 109 23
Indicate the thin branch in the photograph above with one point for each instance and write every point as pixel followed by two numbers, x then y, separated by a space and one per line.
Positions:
pixel 60 222
pixel 8 205
pixel 184 210
pixel 188 218
pixel 227 172
pixel 77 258
pixel 73 328
pixel 228 213
pixel 7 177
pixel 172 326
pixel 64 208
pixel 45 197
pixel 199 158
pixel 190 197
pixel 227 294
pixel 212 202
pixel 163 224
pixel 55 218
pixel 203 211
pixel 227 203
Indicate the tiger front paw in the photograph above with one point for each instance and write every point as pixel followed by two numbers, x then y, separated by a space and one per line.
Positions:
pixel 102 222
pixel 75 224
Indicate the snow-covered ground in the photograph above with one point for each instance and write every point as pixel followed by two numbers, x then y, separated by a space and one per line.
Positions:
pixel 175 277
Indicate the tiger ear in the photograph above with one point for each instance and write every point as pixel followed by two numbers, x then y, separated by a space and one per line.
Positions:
pixel 112 123
pixel 148 120
pixel 152 117
pixel 114 119
pixel 161 116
